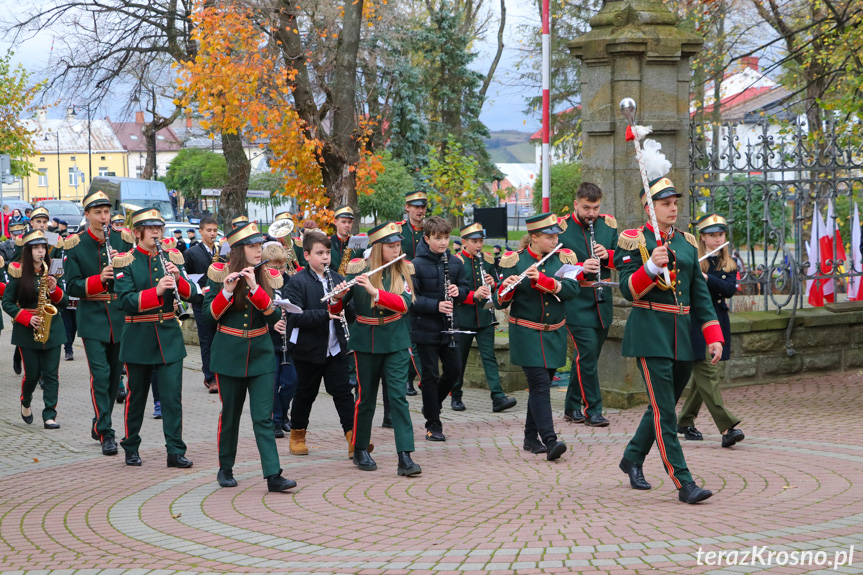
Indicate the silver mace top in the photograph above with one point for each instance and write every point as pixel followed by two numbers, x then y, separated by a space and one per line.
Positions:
pixel 627 108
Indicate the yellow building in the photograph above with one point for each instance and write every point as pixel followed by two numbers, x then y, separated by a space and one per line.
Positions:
pixel 64 166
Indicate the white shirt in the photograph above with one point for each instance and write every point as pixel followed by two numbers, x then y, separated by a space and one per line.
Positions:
pixel 333 347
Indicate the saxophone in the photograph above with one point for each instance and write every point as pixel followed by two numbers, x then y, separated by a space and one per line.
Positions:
pixel 44 309
pixel 346 258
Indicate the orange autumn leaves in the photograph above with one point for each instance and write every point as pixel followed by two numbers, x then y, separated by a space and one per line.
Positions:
pixel 239 83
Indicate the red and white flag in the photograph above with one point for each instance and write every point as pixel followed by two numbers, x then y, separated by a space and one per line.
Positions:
pixel 856 264
pixel 818 250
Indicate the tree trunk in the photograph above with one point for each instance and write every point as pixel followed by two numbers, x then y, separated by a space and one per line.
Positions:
pixel 233 199
pixel 341 154
pixel 150 162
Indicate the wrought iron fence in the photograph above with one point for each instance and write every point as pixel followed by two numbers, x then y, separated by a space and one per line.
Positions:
pixel 769 180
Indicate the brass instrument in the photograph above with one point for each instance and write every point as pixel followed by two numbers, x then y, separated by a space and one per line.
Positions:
pixel 181 309
pixel 215 251
pixel 281 229
pixel 600 296
pixel 45 311
pixel 346 257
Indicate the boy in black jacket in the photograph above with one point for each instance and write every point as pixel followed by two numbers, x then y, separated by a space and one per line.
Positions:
pixel 430 318
pixel 320 348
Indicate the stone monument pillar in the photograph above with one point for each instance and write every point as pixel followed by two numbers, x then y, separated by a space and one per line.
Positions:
pixel 634 49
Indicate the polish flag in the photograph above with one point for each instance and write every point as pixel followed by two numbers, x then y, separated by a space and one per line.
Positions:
pixel 819 244
pixel 856 266
pixel 826 243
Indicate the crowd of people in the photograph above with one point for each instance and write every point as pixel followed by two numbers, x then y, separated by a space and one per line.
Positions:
pixel 277 315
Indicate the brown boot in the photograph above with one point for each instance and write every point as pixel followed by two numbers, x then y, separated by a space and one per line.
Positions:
pixel 298 442
pixel 349 435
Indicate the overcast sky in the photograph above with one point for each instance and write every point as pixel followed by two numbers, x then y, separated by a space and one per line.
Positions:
pixel 503 109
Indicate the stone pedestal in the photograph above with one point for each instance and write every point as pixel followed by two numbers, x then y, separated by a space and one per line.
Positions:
pixel 634 49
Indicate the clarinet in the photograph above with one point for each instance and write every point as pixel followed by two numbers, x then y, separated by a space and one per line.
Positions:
pixel 344 321
pixel 106 231
pixel 600 297
pixel 446 283
pixel 284 341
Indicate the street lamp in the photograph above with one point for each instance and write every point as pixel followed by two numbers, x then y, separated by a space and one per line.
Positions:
pixel 59 175
pixel 73 115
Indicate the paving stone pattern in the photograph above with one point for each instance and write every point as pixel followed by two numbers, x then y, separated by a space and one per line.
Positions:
pixel 481 505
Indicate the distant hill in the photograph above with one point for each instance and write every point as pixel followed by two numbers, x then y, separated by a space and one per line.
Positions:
pixel 510 147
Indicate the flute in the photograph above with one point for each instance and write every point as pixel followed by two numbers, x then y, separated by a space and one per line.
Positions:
pixel 705 256
pixel 236 277
pixel 352 283
pixel 523 274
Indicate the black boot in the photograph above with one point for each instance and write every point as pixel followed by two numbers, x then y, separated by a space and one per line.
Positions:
pixel 278 483
pixel 225 477
pixel 499 404
pixel 691 493
pixel 555 450
pixel 731 437
pixel 573 415
pixel 133 459
pixel 534 445
pixel 406 465
pixel 636 475
pixel 121 396
pixel 178 460
pixel 109 446
pixel 16 361
pixel 689 432
pixel 457 404
pixel 364 461
pixel 410 389
pixel 387 422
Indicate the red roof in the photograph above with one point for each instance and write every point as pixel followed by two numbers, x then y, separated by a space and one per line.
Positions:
pixel 131 135
pixel 538 134
pixel 739 98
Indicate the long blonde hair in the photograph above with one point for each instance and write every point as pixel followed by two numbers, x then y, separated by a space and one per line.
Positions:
pixel 726 262
pixel 400 275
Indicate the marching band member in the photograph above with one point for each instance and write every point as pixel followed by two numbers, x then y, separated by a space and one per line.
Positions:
pixel 239 302
pixel 90 277
pixel 26 300
pixel 658 330
pixel 380 339
pixel 147 281
pixel 588 317
pixel 473 316
pixel 198 259
pixel 537 314
pixel 319 343
pixel 719 273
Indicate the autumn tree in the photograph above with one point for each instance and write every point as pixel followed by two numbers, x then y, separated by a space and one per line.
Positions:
pixel 16 98
pixel 116 49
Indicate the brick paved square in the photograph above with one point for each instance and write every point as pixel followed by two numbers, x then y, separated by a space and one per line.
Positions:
pixel 481 505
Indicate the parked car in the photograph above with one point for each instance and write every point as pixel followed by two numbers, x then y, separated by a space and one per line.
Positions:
pixel 64 210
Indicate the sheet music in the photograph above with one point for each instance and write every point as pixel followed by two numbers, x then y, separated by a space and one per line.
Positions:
pixel 286 305
pixel 569 271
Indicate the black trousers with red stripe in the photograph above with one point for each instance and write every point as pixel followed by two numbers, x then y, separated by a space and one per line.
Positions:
pixel 584 377
pixel 665 380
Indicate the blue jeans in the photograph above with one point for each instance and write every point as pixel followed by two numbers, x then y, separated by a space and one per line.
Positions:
pixel 284 388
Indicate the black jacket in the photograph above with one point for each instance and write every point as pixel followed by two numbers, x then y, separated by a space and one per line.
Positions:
pixel 427 322
pixel 306 291
pixel 722 285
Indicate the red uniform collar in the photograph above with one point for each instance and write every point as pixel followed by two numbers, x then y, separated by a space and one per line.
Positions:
pixel 145 252
pixel 663 235
pixel 94 236
pixel 533 255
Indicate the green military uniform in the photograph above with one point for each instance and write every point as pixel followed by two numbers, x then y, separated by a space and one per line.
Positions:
pixel 657 332
pixel 537 318
pixel 41 360
pixel 380 338
pixel 152 338
pixel 473 316
pixel 100 317
pixel 587 319
pixel 411 237
pixel 339 251
pixel 242 356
